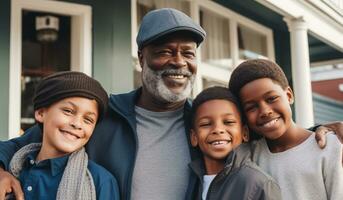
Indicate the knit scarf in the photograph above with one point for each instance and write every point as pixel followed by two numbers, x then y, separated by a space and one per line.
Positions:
pixel 76 183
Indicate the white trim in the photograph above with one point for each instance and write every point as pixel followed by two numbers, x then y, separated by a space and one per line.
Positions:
pixel 231 15
pixel 327 75
pixel 75 48
pixel 84 35
pixel 15 71
pixel 327 62
pixel 270 46
pixel 83 14
pixel 319 23
pixel 134 30
pixel 197 87
pixel 234 47
pixel 329 9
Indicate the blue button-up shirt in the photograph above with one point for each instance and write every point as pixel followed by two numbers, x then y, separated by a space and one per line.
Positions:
pixel 41 180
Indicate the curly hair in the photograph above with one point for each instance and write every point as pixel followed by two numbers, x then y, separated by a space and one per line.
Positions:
pixel 253 69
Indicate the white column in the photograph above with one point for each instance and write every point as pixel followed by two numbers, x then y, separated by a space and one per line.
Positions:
pixel 301 72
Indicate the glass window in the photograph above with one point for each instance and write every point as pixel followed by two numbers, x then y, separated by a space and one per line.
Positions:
pixel 216 48
pixel 210 83
pixel 252 44
pixel 144 6
pixel 45 49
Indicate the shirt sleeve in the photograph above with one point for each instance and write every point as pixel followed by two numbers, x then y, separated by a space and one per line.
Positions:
pixel 9 147
pixel 271 191
pixel 108 189
pixel 333 169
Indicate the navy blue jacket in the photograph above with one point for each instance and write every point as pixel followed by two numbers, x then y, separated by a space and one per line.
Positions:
pixel 113 144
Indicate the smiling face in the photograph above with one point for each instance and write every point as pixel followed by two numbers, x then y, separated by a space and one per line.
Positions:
pixel 169 68
pixel 267 107
pixel 67 125
pixel 217 129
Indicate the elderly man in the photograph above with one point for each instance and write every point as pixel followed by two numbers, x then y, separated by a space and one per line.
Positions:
pixel 143 139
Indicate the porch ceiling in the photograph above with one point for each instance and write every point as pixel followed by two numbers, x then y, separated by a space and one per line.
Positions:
pixel 319 51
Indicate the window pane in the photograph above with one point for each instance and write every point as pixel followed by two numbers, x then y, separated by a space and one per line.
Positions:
pixel 252 44
pixel 216 48
pixel 144 6
pixel 45 50
pixel 210 83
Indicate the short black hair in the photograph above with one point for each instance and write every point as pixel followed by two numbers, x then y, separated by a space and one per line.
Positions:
pixel 213 93
pixel 254 69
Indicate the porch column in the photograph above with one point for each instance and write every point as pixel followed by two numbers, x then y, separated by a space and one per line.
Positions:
pixel 301 71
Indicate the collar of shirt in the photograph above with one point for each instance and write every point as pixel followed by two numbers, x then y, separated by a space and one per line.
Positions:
pixel 56 165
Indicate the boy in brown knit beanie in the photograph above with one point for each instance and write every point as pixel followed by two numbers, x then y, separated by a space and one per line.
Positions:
pixel 67 105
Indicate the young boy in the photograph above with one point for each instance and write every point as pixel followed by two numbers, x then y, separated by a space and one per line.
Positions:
pixel 224 172
pixel 67 106
pixel 287 152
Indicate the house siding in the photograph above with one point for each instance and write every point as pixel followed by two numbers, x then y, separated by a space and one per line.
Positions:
pixel 326 110
pixel 4 66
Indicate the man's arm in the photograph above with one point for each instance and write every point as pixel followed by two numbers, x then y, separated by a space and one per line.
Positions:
pixel 8 183
pixel 321 131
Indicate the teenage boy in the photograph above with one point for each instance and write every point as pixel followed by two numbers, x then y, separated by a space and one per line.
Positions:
pixel 287 152
pixel 225 172
pixel 67 106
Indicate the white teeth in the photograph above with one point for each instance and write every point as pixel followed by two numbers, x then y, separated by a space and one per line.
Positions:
pixel 176 76
pixel 270 123
pixel 70 134
pixel 219 142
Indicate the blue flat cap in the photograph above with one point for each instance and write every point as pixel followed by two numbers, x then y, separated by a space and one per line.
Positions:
pixel 161 22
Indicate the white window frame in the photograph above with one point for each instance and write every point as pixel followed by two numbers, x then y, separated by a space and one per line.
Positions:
pixel 220 74
pixel 205 70
pixel 81 47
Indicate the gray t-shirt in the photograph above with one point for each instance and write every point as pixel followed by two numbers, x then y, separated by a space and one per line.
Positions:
pixel 161 168
pixel 305 171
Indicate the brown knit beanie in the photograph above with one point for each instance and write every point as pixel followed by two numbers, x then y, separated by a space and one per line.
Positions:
pixel 66 84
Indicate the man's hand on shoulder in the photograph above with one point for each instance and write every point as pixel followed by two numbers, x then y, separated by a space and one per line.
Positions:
pixel 9 184
pixel 321 131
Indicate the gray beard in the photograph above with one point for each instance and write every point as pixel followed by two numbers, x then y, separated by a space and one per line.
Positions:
pixel 153 82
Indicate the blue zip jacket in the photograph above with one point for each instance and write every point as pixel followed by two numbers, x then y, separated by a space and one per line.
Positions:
pixel 113 144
